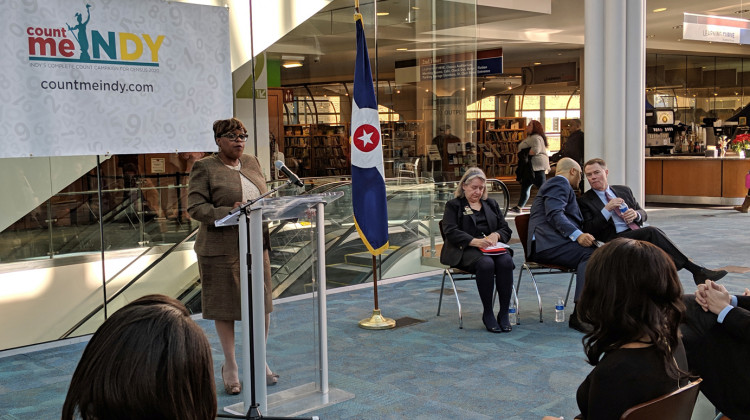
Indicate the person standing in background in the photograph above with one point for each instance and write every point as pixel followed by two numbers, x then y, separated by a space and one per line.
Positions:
pixel 746 204
pixel 536 142
pixel 573 147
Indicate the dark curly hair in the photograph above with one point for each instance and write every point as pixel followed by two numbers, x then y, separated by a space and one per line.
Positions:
pixel 632 293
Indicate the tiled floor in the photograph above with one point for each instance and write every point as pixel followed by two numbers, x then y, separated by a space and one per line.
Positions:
pixel 427 370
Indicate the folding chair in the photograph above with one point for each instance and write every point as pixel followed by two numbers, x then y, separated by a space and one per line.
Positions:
pixel 454 274
pixel 532 267
pixel 677 405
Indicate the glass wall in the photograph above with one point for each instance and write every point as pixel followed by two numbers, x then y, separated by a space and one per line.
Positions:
pixel 697 87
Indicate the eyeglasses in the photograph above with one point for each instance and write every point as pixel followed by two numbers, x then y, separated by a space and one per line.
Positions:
pixel 236 137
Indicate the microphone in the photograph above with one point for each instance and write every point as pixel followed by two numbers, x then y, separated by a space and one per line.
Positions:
pixel 289 174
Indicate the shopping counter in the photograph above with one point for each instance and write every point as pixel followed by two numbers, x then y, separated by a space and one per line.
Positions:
pixel 696 180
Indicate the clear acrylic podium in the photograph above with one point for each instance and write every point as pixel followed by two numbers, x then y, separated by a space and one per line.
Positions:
pixel 301 398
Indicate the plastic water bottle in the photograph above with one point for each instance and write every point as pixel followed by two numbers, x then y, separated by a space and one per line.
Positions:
pixel 623 207
pixel 559 311
pixel 512 313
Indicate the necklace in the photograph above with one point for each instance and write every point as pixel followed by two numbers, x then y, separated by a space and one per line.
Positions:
pixel 237 166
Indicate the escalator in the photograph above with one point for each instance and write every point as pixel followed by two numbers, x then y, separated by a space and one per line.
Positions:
pixel 171 269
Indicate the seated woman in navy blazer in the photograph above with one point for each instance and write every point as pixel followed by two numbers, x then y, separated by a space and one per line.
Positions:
pixel 471 222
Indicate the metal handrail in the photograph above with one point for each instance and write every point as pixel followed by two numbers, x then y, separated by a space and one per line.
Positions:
pixel 130 283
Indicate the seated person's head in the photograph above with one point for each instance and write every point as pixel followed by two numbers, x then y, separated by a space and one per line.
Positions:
pixel 570 169
pixel 632 293
pixel 596 173
pixel 472 175
pixel 148 360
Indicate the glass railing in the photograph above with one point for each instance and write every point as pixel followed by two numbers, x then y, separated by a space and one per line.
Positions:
pixel 150 251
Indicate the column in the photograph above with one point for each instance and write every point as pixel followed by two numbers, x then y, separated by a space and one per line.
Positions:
pixel 614 88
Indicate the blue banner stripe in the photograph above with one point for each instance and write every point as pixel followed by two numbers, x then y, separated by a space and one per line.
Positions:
pixel 370 207
pixel 364 92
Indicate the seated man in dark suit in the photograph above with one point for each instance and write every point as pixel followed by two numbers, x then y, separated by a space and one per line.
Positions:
pixel 716 335
pixel 610 211
pixel 555 227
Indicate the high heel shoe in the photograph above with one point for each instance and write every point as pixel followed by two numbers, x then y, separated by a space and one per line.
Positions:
pixel 231 389
pixel 272 379
pixel 504 321
pixel 490 323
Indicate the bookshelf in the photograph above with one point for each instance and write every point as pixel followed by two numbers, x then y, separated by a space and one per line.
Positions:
pixel 330 150
pixel 401 142
pixel 319 149
pixel 498 147
pixel 297 146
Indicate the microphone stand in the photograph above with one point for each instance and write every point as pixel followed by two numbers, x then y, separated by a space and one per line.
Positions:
pixel 254 411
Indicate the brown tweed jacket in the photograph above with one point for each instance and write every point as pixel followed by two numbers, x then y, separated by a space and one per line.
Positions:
pixel 212 192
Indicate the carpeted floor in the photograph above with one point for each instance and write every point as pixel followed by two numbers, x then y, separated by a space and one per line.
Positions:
pixel 427 370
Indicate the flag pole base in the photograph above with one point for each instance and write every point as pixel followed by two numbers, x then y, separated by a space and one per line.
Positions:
pixel 377 322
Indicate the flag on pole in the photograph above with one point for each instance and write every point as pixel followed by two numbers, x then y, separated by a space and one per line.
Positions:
pixel 368 176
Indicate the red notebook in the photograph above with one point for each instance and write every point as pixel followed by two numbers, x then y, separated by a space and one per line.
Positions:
pixel 497 249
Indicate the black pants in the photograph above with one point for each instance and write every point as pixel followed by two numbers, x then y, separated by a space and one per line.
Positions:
pixel 539 178
pixel 571 255
pixel 657 237
pixel 495 271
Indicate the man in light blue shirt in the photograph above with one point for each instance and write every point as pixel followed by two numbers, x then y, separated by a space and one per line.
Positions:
pixel 611 211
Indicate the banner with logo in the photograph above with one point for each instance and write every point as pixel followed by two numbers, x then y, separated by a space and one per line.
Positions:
pixel 112 77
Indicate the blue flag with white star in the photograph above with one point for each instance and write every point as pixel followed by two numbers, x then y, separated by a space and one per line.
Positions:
pixel 368 176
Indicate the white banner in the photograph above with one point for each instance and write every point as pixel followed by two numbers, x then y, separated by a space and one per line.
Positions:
pixel 112 77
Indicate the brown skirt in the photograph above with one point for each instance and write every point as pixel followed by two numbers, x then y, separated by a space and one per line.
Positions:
pixel 220 281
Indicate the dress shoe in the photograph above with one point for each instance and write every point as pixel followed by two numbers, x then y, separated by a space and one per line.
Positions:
pixel 502 319
pixel 231 389
pixel 491 323
pixel 576 324
pixel 515 209
pixel 272 379
pixel 704 274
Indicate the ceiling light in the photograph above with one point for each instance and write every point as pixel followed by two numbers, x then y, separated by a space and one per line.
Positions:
pixel 402 49
pixel 463 89
pixel 291 64
pixel 661 9
pixel 383 13
pixel 537 63
pixel 398 91
pixel 414 8
pixel 426 90
pixel 510 87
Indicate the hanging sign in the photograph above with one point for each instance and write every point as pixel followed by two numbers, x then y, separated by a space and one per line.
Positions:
pixel 105 77
pixel 715 29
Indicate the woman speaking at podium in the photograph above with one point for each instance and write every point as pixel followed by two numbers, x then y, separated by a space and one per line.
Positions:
pixel 219 183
